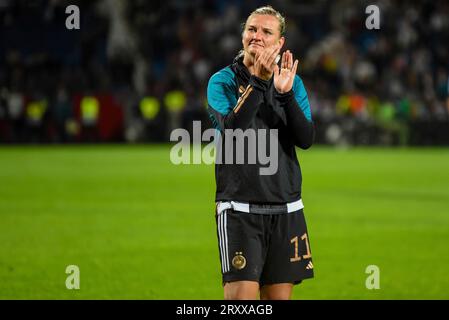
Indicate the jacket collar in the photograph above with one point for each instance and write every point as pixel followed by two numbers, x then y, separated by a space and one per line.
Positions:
pixel 240 68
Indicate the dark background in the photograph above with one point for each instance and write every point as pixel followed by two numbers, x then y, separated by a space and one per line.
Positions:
pixel 146 65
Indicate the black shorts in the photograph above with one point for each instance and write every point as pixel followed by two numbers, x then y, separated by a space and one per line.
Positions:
pixel 267 248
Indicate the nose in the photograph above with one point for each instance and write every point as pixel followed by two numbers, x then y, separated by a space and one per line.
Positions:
pixel 257 35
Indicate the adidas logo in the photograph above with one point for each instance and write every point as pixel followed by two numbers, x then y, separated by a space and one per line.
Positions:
pixel 309 265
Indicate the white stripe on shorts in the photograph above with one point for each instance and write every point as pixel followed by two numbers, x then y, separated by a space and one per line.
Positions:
pixel 220 241
pixel 226 240
pixel 223 241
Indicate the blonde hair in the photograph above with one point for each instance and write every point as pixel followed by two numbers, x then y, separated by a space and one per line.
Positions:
pixel 269 10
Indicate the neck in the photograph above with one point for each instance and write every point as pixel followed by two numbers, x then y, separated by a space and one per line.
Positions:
pixel 248 61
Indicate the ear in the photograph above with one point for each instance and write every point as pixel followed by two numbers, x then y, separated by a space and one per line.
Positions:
pixel 281 41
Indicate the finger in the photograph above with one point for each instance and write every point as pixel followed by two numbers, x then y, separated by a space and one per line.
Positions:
pixel 276 60
pixel 284 61
pixel 273 56
pixel 256 57
pixel 266 54
pixel 262 56
pixel 295 67
pixel 276 70
pixel 290 60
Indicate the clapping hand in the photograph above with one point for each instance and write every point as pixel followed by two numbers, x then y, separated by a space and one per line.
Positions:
pixel 284 77
pixel 265 62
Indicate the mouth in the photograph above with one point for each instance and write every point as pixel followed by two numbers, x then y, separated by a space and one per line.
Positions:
pixel 255 44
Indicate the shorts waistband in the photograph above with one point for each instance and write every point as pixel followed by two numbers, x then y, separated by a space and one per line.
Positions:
pixel 260 208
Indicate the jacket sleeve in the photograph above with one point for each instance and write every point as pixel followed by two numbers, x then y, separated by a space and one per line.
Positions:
pixel 225 111
pixel 299 118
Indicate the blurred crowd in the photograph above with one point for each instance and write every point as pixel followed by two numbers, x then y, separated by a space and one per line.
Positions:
pixel 135 70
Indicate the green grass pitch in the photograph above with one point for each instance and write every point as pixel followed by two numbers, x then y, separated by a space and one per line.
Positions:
pixel 140 227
